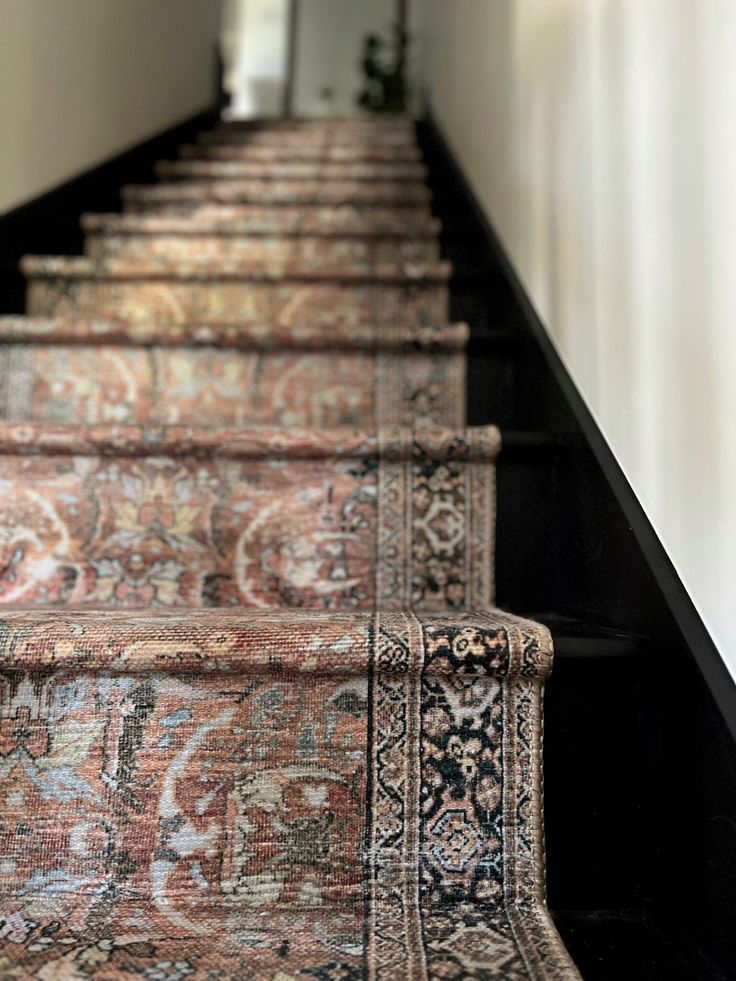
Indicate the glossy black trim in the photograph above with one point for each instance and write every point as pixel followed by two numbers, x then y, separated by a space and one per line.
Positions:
pixel 640 756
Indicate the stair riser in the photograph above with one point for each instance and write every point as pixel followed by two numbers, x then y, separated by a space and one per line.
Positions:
pixel 210 386
pixel 242 170
pixel 298 250
pixel 231 301
pixel 229 779
pixel 261 518
pixel 350 222
pixel 491 389
pixel 308 154
pixel 337 138
pixel 399 193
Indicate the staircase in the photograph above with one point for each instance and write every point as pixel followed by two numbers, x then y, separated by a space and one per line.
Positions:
pixel 259 715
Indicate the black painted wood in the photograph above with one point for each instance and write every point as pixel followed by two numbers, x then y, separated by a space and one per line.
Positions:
pixel 640 758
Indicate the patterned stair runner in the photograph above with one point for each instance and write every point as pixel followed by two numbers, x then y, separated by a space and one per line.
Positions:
pixel 324 138
pixel 259 718
pixel 245 170
pixel 282 795
pixel 398 192
pixel 253 517
pixel 293 241
pixel 200 292
pixel 70 371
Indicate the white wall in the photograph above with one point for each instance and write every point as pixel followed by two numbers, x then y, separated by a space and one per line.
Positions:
pixel 82 80
pixel 329 46
pixel 255 47
pixel 600 135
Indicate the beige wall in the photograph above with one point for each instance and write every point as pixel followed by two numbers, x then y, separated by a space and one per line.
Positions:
pixel 82 80
pixel 600 135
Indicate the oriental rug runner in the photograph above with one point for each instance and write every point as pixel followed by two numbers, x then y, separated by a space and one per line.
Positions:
pixel 259 717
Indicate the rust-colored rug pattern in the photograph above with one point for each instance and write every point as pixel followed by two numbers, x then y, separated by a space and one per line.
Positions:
pixel 259 717
pixel 71 371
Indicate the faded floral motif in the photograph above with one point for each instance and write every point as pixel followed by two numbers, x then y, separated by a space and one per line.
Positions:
pixel 198 293
pixel 123 516
pixel 84 381
pixel 208 798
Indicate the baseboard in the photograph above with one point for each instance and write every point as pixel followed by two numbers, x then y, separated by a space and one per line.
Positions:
pixel 49 224
pixel 640 747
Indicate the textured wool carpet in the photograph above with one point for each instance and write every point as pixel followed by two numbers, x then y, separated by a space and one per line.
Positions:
pixel 199 292
pixel 228 150
pixel 310 221
pixel 295 241
pixel 344 191
pixel 250 170
pixel 73 371
pixel 279 795
pixel 259 718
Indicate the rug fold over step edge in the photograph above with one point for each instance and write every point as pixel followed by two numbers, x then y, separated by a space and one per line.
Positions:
pixel 262 337
pixel 480 444
pixel 305 642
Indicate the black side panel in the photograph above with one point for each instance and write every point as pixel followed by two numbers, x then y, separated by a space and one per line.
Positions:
pixel 640 755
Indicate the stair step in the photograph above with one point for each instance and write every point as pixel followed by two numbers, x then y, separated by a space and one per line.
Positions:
pixel 274 154
pixel 326 139
pixel 236 292
pixel 197 239
pixel 248 170
pixel 95 372
pixel 257 220
pixel 291 192
pixel 245 788
pixel 611 944
pixel 576 639
pixel 258 517
pixel 340 124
